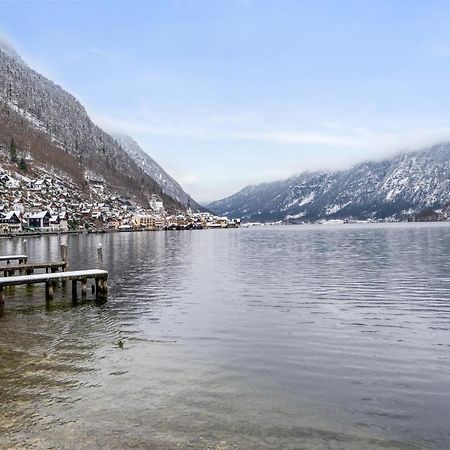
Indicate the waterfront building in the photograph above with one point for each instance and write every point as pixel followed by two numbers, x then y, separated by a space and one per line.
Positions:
pixel 40 220
pixel 10 222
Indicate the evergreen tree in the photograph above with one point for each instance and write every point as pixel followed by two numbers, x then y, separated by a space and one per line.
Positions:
pixel 13 151
pixel 23 166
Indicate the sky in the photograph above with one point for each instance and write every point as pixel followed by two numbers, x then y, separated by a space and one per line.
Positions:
pixel 227 93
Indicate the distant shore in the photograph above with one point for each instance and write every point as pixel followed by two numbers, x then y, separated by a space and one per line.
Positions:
pixel 244 225
pixel 53 233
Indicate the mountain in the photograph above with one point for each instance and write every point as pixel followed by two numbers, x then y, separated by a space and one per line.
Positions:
pixel 407 183
pixel 53 128
pixel 167 184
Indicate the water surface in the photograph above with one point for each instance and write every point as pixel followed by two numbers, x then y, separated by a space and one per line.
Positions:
pixel 313 337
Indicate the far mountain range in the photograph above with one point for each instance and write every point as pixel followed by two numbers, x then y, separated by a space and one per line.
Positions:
pixel 398 187
pixel 52 127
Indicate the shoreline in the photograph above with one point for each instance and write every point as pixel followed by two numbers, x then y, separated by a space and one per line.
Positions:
pixel 81 232
pixel 245 226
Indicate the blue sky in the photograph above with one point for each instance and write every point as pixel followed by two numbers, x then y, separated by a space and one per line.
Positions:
pixel 228 93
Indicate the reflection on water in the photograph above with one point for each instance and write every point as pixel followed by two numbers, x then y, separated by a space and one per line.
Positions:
pixel 325 337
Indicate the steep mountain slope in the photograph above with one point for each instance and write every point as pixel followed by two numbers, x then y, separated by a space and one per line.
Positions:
pixel 407 182
pixel 51 125
pixel 167 184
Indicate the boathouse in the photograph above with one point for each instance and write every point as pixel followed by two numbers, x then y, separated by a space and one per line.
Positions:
pixel 40 220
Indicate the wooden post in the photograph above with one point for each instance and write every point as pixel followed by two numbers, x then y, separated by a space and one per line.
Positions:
pixel 100 256
pixel 64 268
pixel 105 286
pixel 49 290
pixel 83 287
pixel 2 295
pixel 53 270
pixel 74 289
pixel 64 256
pixel 97 287
pixel 29 271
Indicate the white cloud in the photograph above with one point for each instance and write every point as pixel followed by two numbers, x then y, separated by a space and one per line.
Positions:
pixel 371 142
pixel 287 150
pixel 194 131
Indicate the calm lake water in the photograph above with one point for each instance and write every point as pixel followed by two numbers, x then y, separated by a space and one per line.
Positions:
pixel 309 337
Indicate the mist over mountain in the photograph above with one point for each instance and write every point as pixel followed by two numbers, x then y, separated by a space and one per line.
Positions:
pixel 404 184
pixel 9 50
pixel 53 127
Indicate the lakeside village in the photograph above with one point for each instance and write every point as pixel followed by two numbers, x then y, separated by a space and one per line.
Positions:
pixel 52 203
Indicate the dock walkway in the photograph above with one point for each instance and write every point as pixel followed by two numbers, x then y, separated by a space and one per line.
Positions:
pixel 8 258
pixel 100 277
pixel 29 268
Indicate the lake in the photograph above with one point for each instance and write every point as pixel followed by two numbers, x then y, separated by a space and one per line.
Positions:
pixel 305 337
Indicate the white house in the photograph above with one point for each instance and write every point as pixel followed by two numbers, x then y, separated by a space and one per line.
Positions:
pixel 11 183
pixel 54 223
pixel 38 185
pixel 156 204
pixel 64 221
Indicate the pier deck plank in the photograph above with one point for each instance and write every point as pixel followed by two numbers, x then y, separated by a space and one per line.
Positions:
pixel 77 275
pixel 13 257
pixel 37 265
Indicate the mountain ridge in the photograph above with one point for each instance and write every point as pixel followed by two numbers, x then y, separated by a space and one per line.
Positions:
pixel 53 126
pixel 167 183
pixel 401 185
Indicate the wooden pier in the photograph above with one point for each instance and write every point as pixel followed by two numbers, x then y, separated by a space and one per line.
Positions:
pixel 99 276
pixel 29 268
pixel 54 271
pixel 20 258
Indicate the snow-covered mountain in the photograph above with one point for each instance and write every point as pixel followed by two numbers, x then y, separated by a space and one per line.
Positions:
pixel 168 184
pixel 53 127
pixel 406 183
